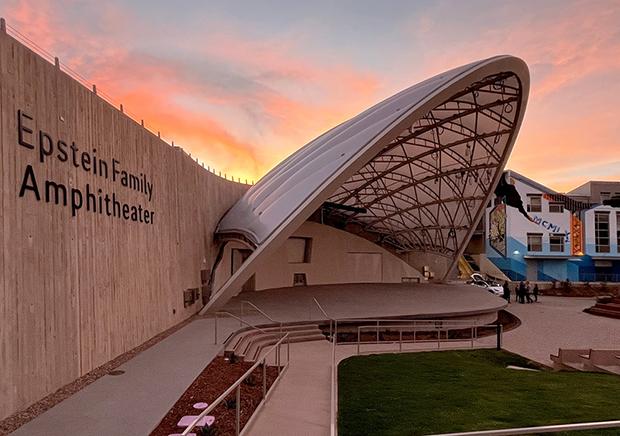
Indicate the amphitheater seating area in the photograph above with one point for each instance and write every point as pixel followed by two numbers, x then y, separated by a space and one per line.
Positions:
pixel 606 361
pixel 606 306
pixel 248 343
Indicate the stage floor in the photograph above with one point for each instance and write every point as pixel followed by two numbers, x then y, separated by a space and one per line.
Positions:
pixel 423 300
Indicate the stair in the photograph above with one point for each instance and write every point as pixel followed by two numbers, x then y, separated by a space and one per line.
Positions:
pixel 472 263
pixel 609 308
pixel 247 343
pixel 607 361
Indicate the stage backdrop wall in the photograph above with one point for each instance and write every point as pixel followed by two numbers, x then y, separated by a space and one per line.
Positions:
pixel 103 226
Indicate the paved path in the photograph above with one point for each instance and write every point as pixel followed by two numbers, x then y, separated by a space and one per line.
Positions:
pixel 134 402
pixel 300 403
pixel 556 322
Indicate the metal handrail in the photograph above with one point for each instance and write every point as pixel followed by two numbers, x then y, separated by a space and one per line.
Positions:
pixel 439 326
pixel 334 376
pixel 540 429
pixel 222 312
pixel 236 385
pixel 244 302
pixel 456 321
pixel 333 325
pixel 321 308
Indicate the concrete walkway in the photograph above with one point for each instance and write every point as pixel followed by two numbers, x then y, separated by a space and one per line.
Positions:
pixel 300 403
pixel 133 403
pixel 559 322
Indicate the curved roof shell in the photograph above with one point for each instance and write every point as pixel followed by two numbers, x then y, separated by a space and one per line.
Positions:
pixel 414 171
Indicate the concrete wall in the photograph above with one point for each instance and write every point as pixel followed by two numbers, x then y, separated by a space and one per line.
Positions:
pixel 79 287
pixel 336 256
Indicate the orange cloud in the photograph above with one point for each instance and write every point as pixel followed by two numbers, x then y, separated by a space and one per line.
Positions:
pixel 280 99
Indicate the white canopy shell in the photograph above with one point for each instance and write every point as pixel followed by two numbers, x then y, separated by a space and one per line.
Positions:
pixel 414 171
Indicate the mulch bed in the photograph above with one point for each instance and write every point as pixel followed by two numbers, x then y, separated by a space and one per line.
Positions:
pixel 218 376
pixel 505 318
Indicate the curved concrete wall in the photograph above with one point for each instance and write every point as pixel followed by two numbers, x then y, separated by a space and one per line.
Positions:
pixel 81 285
pixel 335 257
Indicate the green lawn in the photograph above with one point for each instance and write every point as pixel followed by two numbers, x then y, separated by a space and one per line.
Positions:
pixel 451 391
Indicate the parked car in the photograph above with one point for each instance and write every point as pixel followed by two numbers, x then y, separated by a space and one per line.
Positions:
pixel 491 286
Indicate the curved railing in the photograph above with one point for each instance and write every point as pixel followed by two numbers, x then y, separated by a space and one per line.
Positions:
pixel 241 322
pixel 259 310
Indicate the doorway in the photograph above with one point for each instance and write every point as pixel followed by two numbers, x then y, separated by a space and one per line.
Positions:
pixel 237 257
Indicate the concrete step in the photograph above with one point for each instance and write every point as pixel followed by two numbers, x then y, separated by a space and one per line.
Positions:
pixel 269 328
pixel 608 306
pixel 239 341
pixel 609 369
pixel 604 312
pixel 244 346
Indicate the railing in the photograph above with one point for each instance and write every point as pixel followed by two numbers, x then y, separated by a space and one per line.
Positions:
pixel 413 329
pixel 237 386
pixel 255 307
pixel 241 322
pixel 540 429
pixel 32 45
pixel 331 320
pixel 599 277
pixel 440 325
pixel 333 407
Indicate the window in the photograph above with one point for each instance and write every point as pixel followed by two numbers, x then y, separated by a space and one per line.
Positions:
pixel 298 250
pixel 556 207
pixel 605 196
pixel 534 203
pixel 534 242
pixel 556 242
pixel 601 231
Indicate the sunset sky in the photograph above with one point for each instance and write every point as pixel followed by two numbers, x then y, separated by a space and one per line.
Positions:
pixel 241 85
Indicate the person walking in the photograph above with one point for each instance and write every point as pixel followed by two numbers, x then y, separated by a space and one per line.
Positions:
pixel 521 292
pixel 535 292
pixel 506 291
pixel 527 292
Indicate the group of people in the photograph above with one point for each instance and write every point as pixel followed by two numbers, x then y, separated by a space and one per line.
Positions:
pixel 523 294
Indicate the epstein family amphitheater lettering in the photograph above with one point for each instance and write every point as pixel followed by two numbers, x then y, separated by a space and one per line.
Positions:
pixel 95 201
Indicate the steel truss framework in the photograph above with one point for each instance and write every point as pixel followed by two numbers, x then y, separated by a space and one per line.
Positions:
pixel 422 192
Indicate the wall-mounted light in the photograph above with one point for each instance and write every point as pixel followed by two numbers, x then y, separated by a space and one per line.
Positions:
pixel 516 252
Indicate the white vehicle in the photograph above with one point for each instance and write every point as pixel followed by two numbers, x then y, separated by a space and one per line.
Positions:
pixel 489 285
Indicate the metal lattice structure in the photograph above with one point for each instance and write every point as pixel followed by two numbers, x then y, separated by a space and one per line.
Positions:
pixel 422 191
pixel 412 173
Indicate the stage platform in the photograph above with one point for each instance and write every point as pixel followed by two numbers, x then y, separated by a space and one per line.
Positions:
pixel 419 300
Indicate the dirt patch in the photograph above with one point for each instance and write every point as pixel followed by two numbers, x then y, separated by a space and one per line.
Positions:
pixel 213 381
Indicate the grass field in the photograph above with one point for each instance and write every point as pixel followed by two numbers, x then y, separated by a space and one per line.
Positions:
pixel 451 391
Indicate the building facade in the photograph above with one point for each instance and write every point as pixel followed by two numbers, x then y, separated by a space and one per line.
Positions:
pixel 555 237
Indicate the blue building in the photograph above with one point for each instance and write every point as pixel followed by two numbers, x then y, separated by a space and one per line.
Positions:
pixel 542 235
